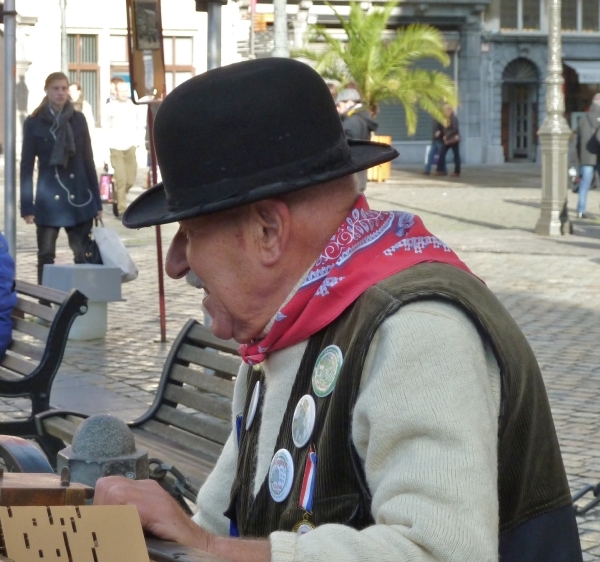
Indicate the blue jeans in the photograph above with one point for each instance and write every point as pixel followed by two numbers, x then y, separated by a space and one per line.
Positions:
pixel 436 148
pixel 587 175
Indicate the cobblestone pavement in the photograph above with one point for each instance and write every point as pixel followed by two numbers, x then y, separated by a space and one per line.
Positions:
pixel 550 285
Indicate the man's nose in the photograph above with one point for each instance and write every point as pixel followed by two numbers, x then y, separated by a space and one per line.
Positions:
pixel 176 264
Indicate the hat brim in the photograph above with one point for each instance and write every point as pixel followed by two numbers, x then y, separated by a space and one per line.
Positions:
pixel 151 208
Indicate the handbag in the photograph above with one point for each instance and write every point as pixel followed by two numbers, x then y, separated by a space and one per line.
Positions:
pixel 113 252
pixel 106 188
pixel 91 252
pixel 454 139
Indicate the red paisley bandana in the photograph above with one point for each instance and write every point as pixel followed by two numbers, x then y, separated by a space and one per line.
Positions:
pixel 367 248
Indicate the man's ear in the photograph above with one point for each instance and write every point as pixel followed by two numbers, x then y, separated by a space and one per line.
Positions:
pixel 271 221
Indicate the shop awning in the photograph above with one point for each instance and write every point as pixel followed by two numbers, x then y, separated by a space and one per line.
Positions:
pixel 588 71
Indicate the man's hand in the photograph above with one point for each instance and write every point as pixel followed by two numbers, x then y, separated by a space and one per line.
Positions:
pixel 29 219
pixel 99 215
pixel 162 517
pixel 159 513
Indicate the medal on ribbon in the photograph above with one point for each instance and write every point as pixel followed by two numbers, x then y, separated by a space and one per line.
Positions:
pixel 306 493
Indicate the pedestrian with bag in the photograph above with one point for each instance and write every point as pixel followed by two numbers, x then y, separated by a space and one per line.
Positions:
pixel 124 126
pixel 588 148
pixel 67 194
pixel 451 139
pixel 437 144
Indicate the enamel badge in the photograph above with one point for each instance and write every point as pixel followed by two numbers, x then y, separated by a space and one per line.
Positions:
pixel 326 371
pixel 281 475
pixel 303 421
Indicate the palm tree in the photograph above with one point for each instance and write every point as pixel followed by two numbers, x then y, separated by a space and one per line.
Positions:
pixel 383 69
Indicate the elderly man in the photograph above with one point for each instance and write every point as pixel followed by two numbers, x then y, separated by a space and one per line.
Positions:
pixel 389 408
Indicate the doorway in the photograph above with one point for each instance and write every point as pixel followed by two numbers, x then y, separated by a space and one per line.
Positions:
pixel 520 111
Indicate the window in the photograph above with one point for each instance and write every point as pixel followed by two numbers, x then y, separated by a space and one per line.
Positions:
pixel 509 14
pixel 568 15
pixel 179 60
pixel 520 15
pixel 590 15
pixel 531 15
pixel 577 16
pixel 119 57
pixel 83 67
pixel 580 15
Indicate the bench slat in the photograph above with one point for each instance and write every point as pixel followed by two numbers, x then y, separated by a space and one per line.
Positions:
pixel 26 349
pixel 36 309
pixel 202 381
pixel 195 464
pixel 211 404
pixel 210 428
pixel 201 335
pixel 7 375
pixel 62 427
pixel 17 364
pixel 183 438
pixel 210 359
pixel 30 328
pixel 40 292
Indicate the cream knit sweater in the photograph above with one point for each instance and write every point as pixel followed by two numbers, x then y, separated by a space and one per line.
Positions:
pixel 424 425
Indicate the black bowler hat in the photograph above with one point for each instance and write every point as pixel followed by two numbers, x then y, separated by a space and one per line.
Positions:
pixel 246 132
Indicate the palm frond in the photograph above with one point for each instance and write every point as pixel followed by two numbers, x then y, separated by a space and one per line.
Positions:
pixel 384 70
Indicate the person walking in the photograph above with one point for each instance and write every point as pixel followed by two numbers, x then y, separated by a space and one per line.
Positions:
pixel 588 149
pixel 356 121
pixel 67 194
pixel 81 104
pixel 437 144
pixel 124 130
pixel 451 139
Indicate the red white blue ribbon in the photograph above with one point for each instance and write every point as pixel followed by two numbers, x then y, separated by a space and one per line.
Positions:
pixel 308 482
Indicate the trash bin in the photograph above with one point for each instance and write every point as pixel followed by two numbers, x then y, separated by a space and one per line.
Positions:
pixel 101 284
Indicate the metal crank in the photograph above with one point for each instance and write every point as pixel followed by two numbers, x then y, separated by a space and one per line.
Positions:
pixel 173 481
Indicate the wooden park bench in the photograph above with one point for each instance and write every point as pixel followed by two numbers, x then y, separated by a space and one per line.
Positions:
pixel 190 418
pixel 39 338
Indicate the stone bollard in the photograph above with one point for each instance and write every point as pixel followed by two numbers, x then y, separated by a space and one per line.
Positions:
pixel 103 445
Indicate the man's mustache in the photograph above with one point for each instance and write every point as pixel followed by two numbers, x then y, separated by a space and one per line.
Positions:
pixel 192 279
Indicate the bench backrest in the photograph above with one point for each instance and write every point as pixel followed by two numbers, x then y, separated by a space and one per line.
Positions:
pixel 192 407
pixel 39 338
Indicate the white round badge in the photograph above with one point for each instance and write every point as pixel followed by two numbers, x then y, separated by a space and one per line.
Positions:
pixel 303 421
pixel 281 475
pixel 253 405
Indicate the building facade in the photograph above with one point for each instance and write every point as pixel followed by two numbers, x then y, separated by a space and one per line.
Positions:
pixel 498 52
pixel 497 48
pixel 97 50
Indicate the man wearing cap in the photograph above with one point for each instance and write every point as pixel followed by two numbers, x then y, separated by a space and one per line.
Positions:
pixel 426 433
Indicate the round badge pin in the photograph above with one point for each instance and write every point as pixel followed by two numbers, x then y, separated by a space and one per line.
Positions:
pixel 281 475
pixel 326 371
pixel 253 405
pixel 303 421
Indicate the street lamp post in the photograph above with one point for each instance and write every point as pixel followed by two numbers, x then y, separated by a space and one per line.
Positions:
pixel 10 127
pixel 64 46
pixel 554 136
pixel 281 46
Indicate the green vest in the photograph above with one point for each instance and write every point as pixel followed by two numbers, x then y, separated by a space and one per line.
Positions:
pixel 534 497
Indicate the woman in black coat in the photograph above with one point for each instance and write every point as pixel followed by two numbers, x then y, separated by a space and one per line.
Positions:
pixel 67 193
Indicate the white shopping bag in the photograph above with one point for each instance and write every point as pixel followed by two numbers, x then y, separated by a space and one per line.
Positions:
pixel 113 252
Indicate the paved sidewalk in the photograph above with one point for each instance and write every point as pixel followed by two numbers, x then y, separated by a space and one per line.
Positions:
pixel 550 285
